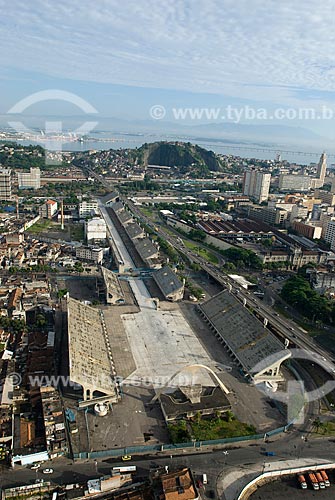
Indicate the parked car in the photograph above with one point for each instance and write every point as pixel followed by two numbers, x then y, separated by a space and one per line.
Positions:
pixel 35 466
pixel 47 471
pixel 126 457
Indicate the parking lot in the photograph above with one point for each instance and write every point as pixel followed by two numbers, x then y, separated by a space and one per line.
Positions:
pixel 288 488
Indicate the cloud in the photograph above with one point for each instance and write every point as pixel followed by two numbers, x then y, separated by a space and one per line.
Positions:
pixel 260 50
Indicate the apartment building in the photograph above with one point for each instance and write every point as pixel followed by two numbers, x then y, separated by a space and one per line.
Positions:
pixel 90 254
pixel 29 180
pixel 5 184
pixel 256 185
pixel 48 209
pixel 87 208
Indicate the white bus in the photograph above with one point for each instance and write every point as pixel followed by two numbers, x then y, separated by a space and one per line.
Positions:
pixel 123 470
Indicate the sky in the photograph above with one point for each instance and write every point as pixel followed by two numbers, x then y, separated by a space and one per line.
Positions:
pixel 126 57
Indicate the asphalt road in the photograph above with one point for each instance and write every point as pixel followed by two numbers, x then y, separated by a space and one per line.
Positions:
pixel 210 462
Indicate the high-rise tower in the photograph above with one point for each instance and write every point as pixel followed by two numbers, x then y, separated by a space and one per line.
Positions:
pixel 5 184
pixel 322 167
pixel 256 184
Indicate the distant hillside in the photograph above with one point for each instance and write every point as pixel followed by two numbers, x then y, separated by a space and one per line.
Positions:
pixel 183 155
pixel 13 155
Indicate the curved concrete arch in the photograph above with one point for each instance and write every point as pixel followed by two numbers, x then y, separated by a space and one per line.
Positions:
pixel 191 367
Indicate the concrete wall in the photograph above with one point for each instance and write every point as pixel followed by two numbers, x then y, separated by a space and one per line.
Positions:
pixel 220 244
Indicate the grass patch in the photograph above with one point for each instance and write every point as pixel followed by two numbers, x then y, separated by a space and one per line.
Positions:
pixel 203 429
pixel 40 226
pixel 326 340
pixel 325 428
pixel 76 232
pixel 202 252
pixel 219 428
pixel 169 231
pixel 150 212
pixel 311 330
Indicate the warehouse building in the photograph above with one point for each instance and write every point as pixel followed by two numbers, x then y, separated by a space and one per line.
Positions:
pixel 118 207
pixel 124 217
pixel 110 198
pixel 95 229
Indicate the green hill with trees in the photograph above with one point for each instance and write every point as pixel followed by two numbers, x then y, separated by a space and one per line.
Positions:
pixel 182 155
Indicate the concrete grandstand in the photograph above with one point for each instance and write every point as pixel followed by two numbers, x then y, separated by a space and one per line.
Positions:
pixel 114 292
pixel 125 217
pixel 169 284
pixel 135 231
pixel 90 359
pixel 256 349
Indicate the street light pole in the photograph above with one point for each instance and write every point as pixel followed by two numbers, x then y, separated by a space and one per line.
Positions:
pixel 226 453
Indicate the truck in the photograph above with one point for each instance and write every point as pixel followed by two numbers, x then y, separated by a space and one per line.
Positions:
pixel 313 481
pixel 320 480
pixel 204 479
pixel 302 481
pixel 325 478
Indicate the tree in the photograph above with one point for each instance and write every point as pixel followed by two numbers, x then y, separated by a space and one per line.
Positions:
pixel 298 292
pixel 317 424
pixel 196 234
pixel 229 266
pixel 41 321
pixel 242 257
pixel 178 432
pixel 267 243
pixel 78 267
